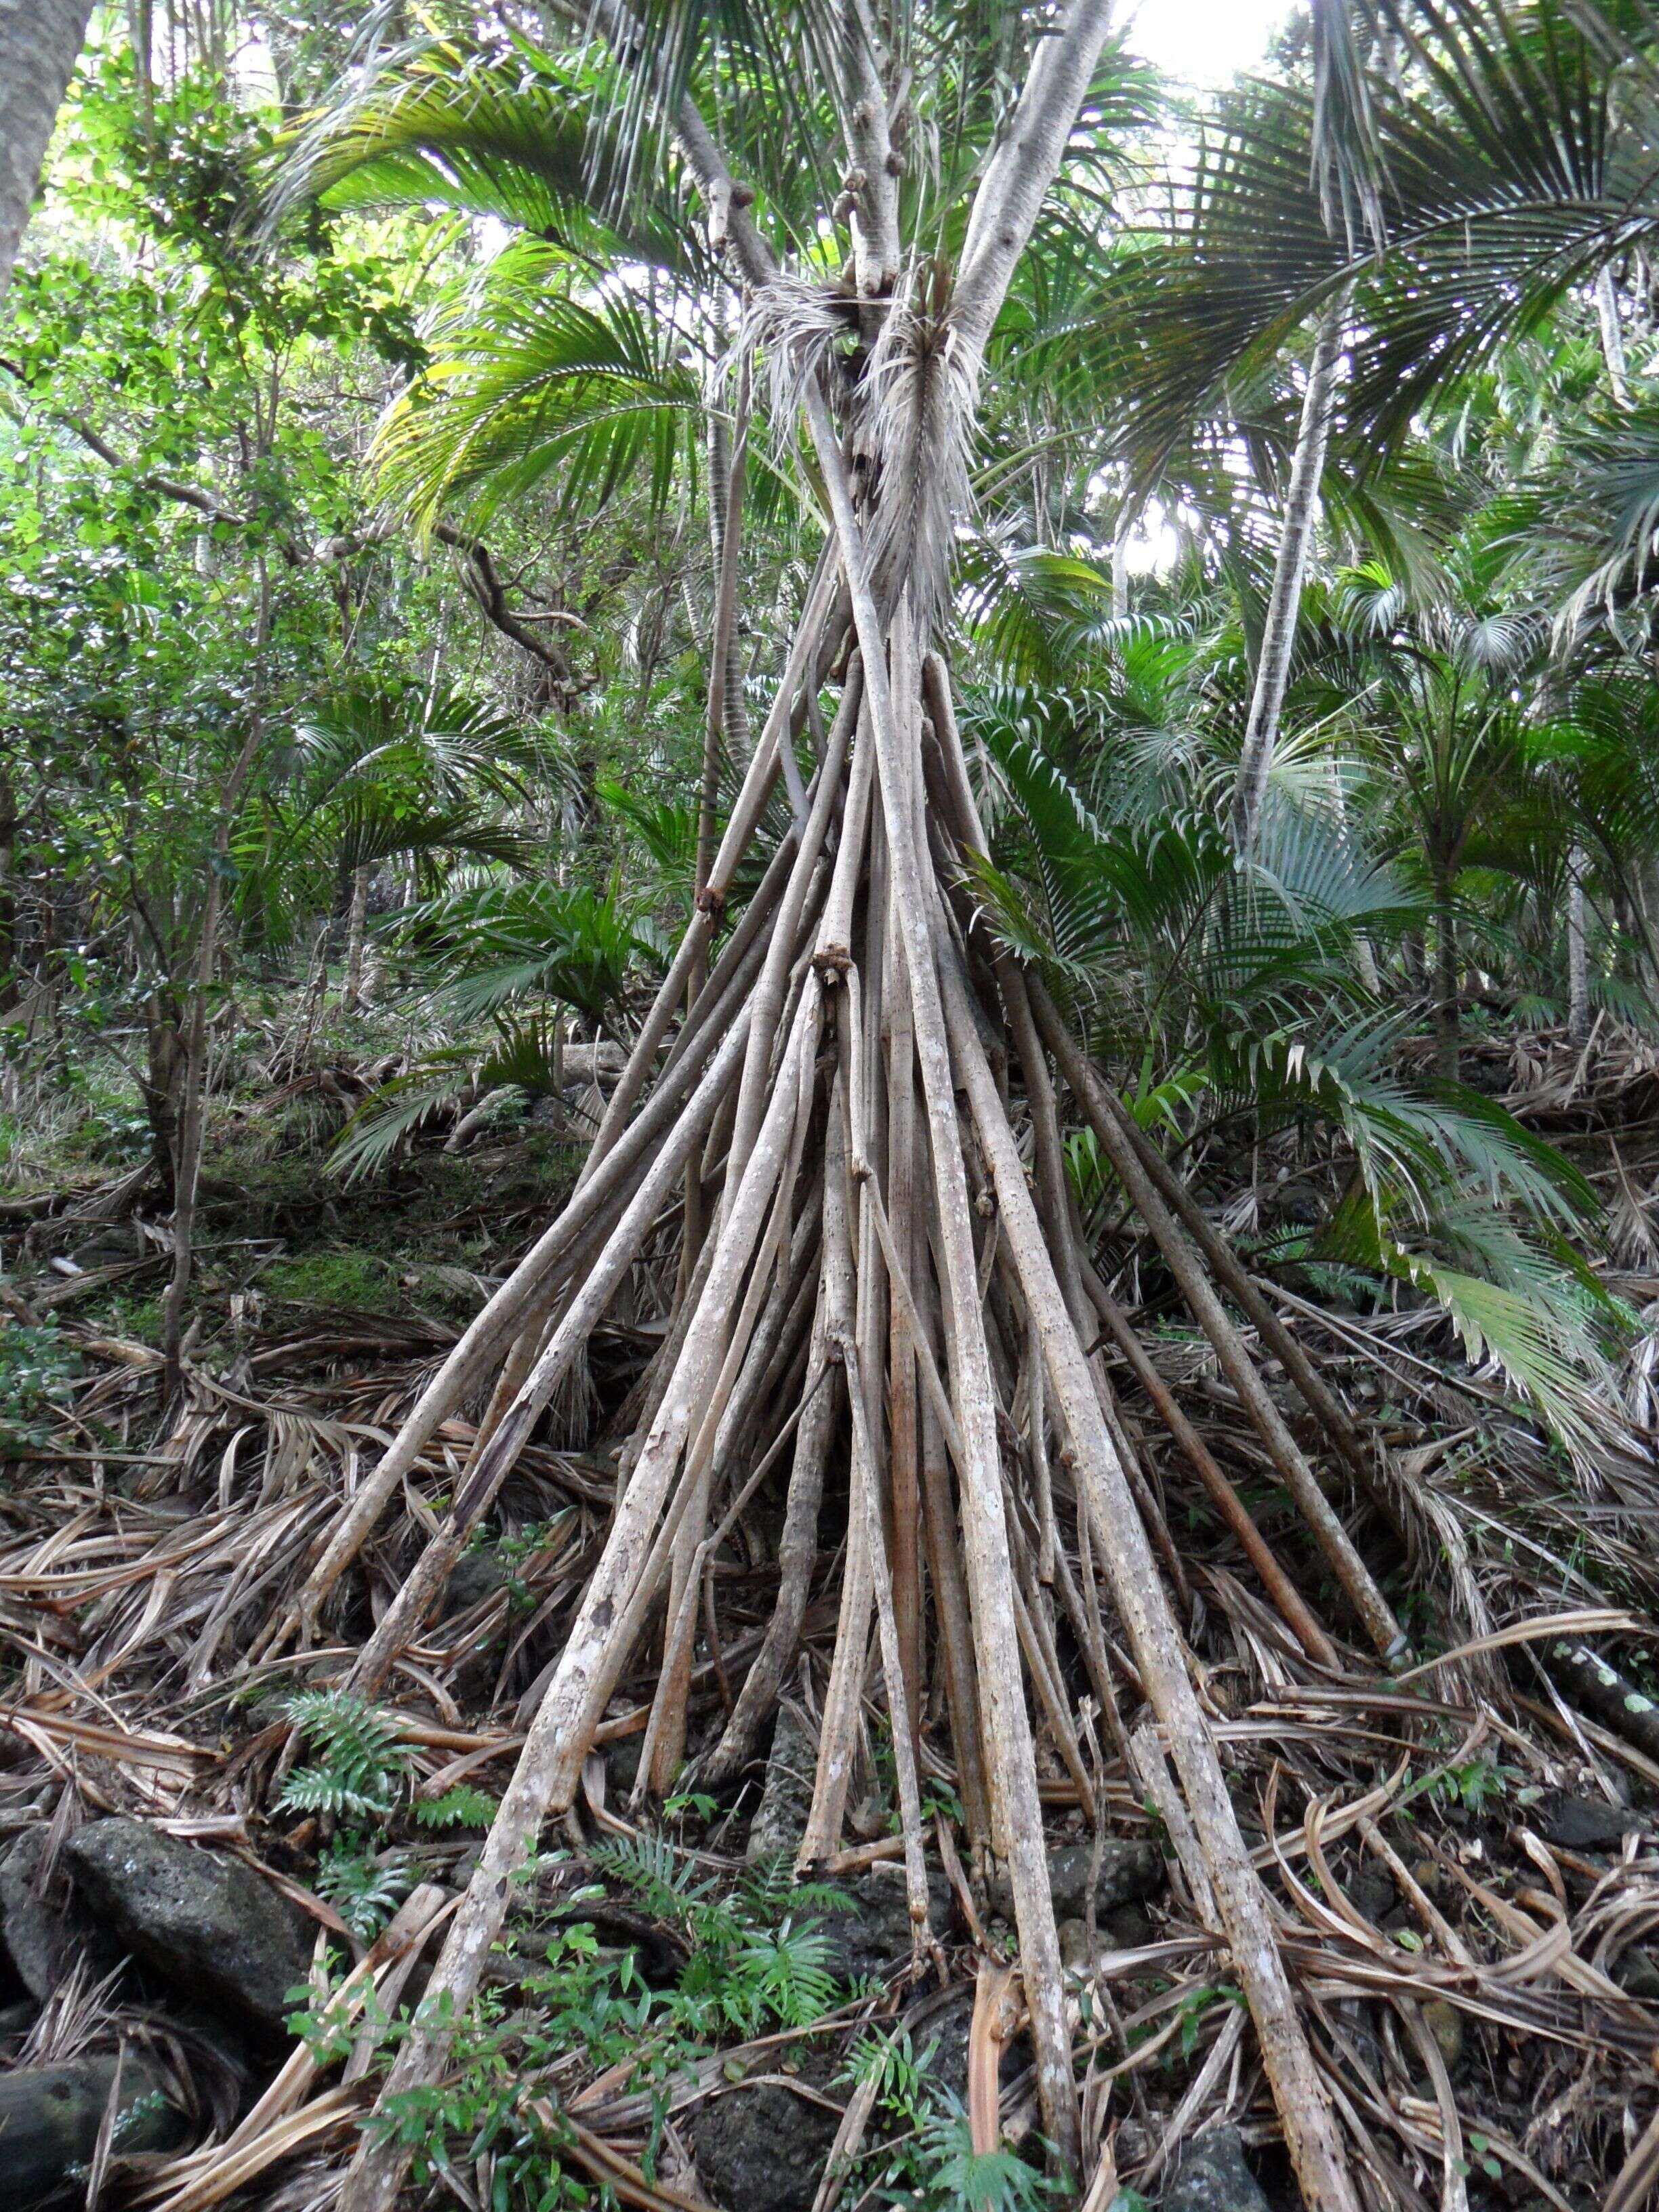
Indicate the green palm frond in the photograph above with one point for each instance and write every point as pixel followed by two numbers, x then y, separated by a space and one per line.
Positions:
pixel 526 383
pixel 1512 162
pixel 489 945
pixel 504 131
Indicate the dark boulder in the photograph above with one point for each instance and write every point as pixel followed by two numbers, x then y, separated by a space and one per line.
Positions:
pixel 1212 2177
pixel 872 1935
pixel 1129 1873
pixel 768 2146
pixel 46 1927
pixel 50 2116
pixel 1587 1823
pixel 208 1926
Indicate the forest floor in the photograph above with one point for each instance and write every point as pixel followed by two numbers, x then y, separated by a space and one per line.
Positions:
pixel 204 1853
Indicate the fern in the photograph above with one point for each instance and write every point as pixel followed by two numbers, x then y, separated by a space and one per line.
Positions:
pixel 363 1890
pixel 463 1807
pixel 783 1977
pixel 363 1757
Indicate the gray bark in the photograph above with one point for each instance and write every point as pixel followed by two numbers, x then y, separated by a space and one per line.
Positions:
pixel 1278 634
pixel 1613 337
pixel 1022 167
pixel 39 43
pixel 1578 1013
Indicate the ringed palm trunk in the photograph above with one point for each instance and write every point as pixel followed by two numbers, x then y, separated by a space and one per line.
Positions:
pixel 1578 1008
pixel 842 987
pixel 40 41
pixel 1447 1021
pixel 1290 568
pixel 356 931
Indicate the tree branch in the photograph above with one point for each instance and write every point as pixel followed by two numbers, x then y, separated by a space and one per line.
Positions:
pixel 1020 172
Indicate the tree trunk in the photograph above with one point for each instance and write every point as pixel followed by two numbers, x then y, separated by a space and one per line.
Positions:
pixel 1446 1020
pixel 192 1112
pixel 40 41
pixel 1278 633
pixel 1578 1007
pixel 8 899
pixel 1613 337
pixel 356 929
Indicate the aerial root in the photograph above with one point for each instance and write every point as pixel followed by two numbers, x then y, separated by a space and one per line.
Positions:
pixel 875 1268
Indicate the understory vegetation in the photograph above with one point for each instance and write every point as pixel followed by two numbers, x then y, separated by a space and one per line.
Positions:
pixel 830 1110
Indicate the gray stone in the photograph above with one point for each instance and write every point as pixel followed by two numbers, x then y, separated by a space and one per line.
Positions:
pixel 1372 1895
pixel 1129 1873
pixel 1445 2024
pixel 766 2147
pixel 1212 2177
pixel 872 1936
pixel 478 1575
pixel 779 1820
pixel 45 1933
pixel 1636 1973
pixel 1127 1927
pixel 208 1926
pixel 1587 1823
pixel 50 2116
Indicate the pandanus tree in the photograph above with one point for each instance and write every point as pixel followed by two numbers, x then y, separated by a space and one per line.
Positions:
pixel 833 1076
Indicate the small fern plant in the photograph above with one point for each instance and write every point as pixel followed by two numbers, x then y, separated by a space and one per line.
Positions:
pixel 463 1807
pixel 364 1890
pixel 361 1760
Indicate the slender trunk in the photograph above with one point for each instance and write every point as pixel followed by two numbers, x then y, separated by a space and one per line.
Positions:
pixel 40 44
pixel 8 901
pixel 187 1154
pixel 356 925
pixel 1445 980
pixel 1121 571
pixel 1578 1009
pixel 725 720
pixel 1613 338
pixel 1278 633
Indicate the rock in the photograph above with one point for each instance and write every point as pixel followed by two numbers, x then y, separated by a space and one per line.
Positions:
pixel 1445 2024
pixel 207 1925
pixel 873 1937
pixel 50 2116
pixel 1637 1973
pixel 1586 1824
pixel 766 2147
pixel 1127 1927
pixel 621 1763
pixel 779 1820
pixel 45 1934
pixel 1212 2177
pixel 1373 1895
pixel 1129 1873
pixel 478 1575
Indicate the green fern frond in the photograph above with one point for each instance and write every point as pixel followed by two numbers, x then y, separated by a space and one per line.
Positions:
pixel 363 1757
pixel 463 1807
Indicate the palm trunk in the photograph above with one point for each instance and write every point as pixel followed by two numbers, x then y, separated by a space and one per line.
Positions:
pixel 40 41
pixel 356 929
pixel 1578 1010
pixel 1278 633
pixel 7 900
pixel 1446 1020
pixel 1613 338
